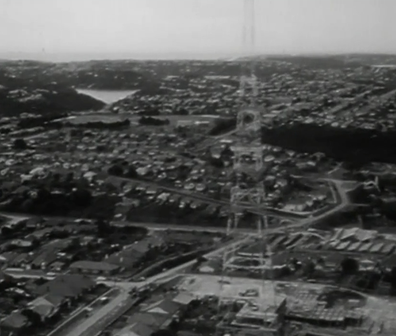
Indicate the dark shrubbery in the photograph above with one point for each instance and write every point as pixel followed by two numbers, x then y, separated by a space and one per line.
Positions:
pixel 75 200
pixel 356 145
pixel 349 266
pixel 223 126
pixel 39 121
pixel 103 125
pixel 153 121
pixel 20 144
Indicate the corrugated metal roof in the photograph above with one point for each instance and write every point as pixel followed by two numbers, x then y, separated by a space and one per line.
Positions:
pixel 377 247
pixel 365 247
pixel 388 248
pixel 343 246
pixel 354 246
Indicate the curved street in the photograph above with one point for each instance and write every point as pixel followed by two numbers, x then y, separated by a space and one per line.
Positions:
pixel 97 321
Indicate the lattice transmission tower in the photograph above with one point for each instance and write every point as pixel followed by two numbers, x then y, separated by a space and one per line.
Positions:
pixel 249 166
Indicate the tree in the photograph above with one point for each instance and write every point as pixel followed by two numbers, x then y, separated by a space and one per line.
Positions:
pixel 6 231
pixel 81 197
pixel 163 332
pixel 201 259
pixel 180 111
pixel 227 152
pixel 349 266
pixel 27 206
pixel 153 121
pixel 393 278
pixel 104 227
pixel 309 268
pixel 222 126
pixel 20 144
pixel 116 170
pixel 43 194
pixel 131 172
pixel 218 163
pixel 69 177
pixel 32 316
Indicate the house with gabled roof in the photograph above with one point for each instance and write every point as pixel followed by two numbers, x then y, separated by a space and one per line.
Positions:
pixel 46 306
pixel 136 329
pixel 164 307
pixel 94 267
pixel 15 324
pixel 154 321
pixel 69 286
pixel 44 259
pixel 44 310
pixel 183 298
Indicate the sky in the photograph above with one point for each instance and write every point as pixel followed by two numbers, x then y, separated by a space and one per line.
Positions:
pixel 161 28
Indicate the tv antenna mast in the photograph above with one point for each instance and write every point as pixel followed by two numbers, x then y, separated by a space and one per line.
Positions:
pixel 249 168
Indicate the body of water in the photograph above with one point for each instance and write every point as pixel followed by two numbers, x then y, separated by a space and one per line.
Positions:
pixel 107 96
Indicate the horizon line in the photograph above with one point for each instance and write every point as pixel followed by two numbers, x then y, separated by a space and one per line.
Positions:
pixel 123 56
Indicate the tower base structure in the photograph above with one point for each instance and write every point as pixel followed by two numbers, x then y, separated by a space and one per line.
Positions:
pixel 253 320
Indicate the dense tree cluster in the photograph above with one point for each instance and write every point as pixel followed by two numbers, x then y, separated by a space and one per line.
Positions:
pixel 222 126
pixel 356 145
pixel 153 121
pixel 40 97
pixel 218 163
pixel 149 112
pixel 20 144
pixel 102 125
pixel 72 198
pixel 180 111
pixel 393 278
pixel 123 169
pixel 349 266
pixel 39 120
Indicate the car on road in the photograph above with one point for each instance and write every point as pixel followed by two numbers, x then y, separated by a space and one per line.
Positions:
pixel 88 311
pixel 104 300
pixel 254 307
pixel 250 293
pixel 224 281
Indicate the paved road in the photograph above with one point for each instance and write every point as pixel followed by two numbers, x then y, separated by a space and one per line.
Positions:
pixel 338 208
pixel 201 197
pixel 100 318
pixel 344 202
pixel 150 226
pixel 164 227
pixel 211 141
pixel 112 308
pixel 67 326
pixel 171 273
pixel 296 220
pixel 105 315
pixel 343 198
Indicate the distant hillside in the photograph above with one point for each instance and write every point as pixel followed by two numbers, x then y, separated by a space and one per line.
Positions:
pixel 37 96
